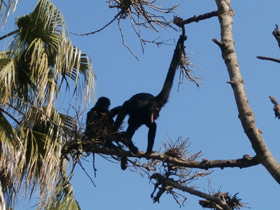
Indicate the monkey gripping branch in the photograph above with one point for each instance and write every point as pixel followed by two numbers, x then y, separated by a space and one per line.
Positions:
pixel 171 170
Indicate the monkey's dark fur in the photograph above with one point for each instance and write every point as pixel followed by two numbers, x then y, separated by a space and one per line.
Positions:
pixel 99 120
pixel 144 108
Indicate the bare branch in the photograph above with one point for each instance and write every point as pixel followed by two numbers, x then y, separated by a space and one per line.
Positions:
pixel 244 162
pixel 170 182
pixel 246 114
pixel 9 34
pixel 233 202
pixel 101 29
pixel 276 107
pixel 10 115
pixel 219 43
pixel 268 58
pixel 196 18
pixel 123 41
pixel 276 34
pixel 273 100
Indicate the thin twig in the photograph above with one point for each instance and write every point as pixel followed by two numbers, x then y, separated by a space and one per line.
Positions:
pixel 105 26
pixel 123 42
pixel 167 181
pixel 79 162
pixel 268 58
pixel 9 34
pixel 189 76
pixel 196 18
pixel 11 116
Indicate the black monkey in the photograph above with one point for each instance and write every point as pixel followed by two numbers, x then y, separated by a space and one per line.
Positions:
pixel 144 108
pixel 96 117
pixel 100 119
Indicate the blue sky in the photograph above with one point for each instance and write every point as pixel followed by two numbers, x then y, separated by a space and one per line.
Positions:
pixel 206 115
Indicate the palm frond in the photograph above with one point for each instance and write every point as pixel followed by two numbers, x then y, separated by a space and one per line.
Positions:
pixel 46 58
pixel 7 77
pixel 5 9
pixel 72 63
pixel 43 143
pixel 7 132
pixel 10 160
pixel 63 197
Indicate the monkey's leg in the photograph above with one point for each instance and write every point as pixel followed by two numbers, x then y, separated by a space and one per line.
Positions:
pixel 151 137
pixel 132 127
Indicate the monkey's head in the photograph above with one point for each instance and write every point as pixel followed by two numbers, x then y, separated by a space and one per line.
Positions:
pixel 103 103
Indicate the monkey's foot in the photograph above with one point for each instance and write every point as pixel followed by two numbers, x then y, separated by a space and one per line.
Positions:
pixel 148 153
pixel 134 150
pixel 123 163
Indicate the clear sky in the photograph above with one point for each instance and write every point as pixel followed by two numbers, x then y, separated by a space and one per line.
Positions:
pixel 206 115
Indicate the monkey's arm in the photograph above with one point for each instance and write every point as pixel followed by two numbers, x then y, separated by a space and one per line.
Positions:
pixel 113 112
pixel 121 115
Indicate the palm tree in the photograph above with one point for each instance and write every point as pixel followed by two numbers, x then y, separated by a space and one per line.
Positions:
pixel 39 63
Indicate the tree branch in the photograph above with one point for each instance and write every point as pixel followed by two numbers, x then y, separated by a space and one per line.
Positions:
pixel 268 58
pixel 276 34
pixel 10 115
pixel 167 181
pixel 9 34
pixel 243 162
pixel 102 28
pixel 276 107
pixel 195 18
pixel 246 114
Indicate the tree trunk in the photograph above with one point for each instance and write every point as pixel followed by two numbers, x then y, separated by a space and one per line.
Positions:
pixel 246 115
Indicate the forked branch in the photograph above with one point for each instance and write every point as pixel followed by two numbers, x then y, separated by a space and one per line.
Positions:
pixel 196 18
pixel 218 201
pixel 276 34
pixel 246 114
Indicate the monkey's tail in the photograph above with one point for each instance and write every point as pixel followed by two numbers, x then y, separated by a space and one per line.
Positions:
pixel 123 163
